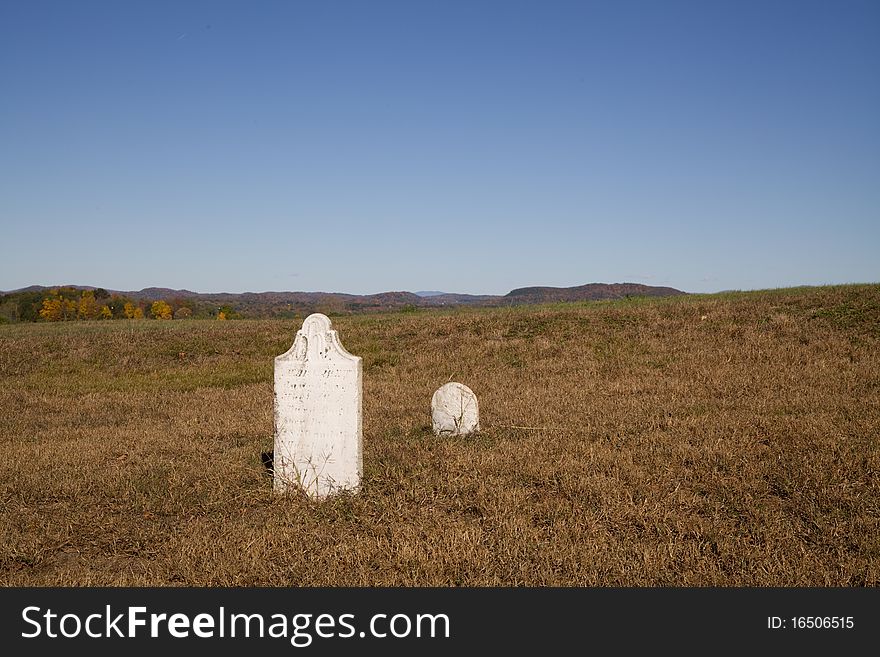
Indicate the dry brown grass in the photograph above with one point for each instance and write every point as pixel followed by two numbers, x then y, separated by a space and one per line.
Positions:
pixel 726 440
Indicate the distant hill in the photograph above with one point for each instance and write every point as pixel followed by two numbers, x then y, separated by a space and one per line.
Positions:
pixel 289 304
pixel 159 293
pixel 29 288
pixel 590 292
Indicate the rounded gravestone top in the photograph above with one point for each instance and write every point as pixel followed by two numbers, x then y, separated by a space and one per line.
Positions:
pixel 316 323
pixel 454 410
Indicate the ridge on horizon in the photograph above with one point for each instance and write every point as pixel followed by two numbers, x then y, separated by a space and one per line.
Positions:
pixel 522 291
pixel 26 303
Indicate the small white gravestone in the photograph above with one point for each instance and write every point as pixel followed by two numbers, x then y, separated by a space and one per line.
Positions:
pixel 454 410
pixel 318 432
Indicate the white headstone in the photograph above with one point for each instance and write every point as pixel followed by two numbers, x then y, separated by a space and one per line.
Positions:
pixel 318 433
pixel 454 410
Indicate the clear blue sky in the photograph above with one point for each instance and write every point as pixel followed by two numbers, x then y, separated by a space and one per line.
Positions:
pixel 463 146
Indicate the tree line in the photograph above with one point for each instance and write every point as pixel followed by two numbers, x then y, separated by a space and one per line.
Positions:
pixel 71 304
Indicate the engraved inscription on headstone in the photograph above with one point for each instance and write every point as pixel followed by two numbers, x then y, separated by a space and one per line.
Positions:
pixel 318 432
pixel 454 410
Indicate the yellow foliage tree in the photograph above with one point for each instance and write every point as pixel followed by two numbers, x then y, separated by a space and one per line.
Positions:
pixel 138 313
pixel 88 307
pixel 106 313
pixel 221 315
pixel 161 310
pixel 51 310
pixel 68 309
pixel 128 310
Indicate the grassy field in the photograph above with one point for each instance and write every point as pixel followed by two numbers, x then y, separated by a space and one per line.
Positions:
pixel 727 440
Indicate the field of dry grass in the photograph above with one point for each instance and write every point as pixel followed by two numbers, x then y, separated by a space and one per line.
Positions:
pixel 727 440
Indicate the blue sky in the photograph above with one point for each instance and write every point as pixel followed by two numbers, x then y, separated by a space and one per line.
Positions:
pixel 463 146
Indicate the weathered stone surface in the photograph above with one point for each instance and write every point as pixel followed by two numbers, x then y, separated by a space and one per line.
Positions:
pixel 454 410
pixel 318 430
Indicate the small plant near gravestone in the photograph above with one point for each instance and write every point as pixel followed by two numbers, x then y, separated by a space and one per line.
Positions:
pixel 311 476
pixel 268 460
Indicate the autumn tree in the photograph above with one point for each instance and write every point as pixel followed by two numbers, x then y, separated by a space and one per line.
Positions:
pixel 51 310
pixel 161 310
pixel 228 312
pixel 88 307
pixel 68 309
pixel 183 313
pixel 56 308
pixel 106 313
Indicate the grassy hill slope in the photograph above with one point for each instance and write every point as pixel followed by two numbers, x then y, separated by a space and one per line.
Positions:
pixel 727 440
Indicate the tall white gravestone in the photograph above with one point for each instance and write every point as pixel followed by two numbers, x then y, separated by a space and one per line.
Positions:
pixel 318 431
pixel 454 410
